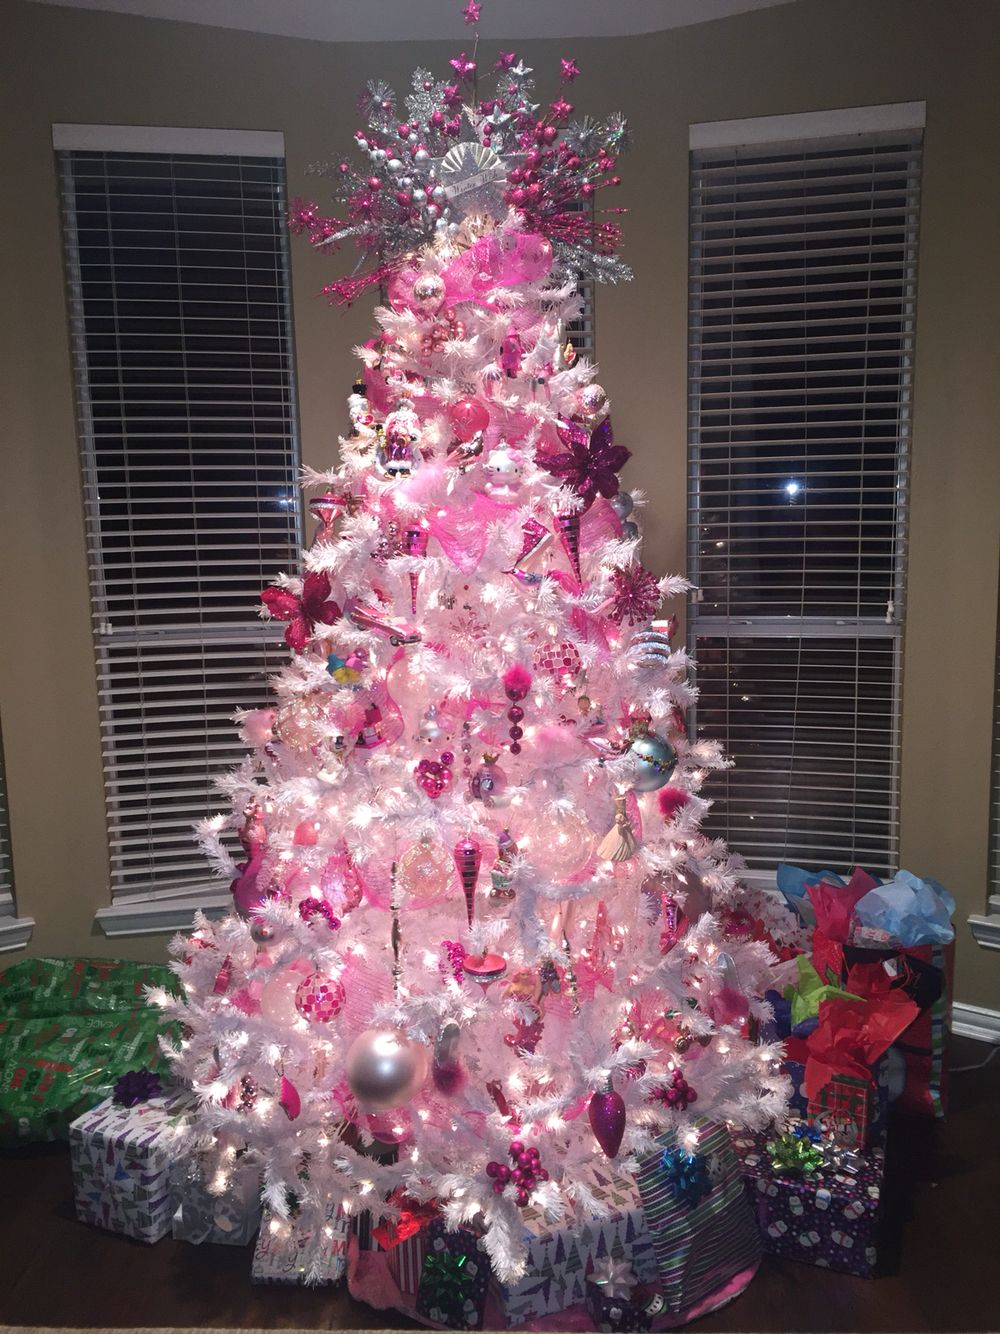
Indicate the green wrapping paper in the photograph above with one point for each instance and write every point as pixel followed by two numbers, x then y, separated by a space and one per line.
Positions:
pixel 68 1030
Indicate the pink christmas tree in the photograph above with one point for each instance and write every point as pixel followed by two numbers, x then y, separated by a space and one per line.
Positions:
pixel 478 940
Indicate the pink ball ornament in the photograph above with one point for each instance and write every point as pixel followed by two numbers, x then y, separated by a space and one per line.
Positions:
pixel 277 1000
pixel 319 998
pixel 468 418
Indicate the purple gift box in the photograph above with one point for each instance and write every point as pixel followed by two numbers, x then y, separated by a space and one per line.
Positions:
pixel 829 1219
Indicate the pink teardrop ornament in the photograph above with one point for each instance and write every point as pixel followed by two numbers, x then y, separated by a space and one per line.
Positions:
pixel 288 1099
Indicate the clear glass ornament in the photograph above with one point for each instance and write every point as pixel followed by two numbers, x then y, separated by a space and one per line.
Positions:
pixel 425 872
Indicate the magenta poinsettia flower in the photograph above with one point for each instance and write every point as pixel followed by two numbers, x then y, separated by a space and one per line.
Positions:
pixel 590 462
pixel 303 612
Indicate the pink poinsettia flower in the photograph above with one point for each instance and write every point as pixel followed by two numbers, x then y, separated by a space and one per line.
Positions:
pixel 303 612
pixel 591 460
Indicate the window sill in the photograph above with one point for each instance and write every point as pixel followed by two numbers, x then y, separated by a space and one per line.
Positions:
pixel 15 932
pixel 152 917
pixel 986 926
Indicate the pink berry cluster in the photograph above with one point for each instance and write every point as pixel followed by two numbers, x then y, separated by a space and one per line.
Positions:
pixel 525 1175
pixel 311 907
pixel 456 952
pixel 677 1094
pixel 446 329
pixel 434 776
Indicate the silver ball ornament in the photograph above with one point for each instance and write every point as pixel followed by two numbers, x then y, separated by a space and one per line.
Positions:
pixel 428 293
pixel 657 761
pixel 378 154
pixel 394 165
pixel 438 194
pixel 630 530
pixel 419 196
pixel 622 504
pixel 261 932
pixel 421 155
pixel 385 1069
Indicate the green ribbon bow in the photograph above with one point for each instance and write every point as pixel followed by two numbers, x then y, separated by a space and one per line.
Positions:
pixel 792 1155
pixel 442 1277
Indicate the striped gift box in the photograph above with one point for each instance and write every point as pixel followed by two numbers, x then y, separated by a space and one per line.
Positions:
pixel 701 1248
pixel 405 1261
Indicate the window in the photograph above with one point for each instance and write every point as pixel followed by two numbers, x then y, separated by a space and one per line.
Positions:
pixel 182 344
pixel 15 932
pixel 986 927
pixel 802 308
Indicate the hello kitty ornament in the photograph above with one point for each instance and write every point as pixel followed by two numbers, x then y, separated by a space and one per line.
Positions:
pixel 503 467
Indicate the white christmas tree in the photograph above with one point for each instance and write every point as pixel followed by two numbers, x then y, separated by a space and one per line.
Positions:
pixel 478 940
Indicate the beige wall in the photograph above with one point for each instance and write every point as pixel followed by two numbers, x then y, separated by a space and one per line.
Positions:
pixel 67 65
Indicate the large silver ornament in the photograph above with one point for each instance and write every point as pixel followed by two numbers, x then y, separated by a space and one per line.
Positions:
pixel 385 1069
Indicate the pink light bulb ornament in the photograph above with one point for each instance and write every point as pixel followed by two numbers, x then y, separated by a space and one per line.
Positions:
pixel 606 1113
pixel 468 855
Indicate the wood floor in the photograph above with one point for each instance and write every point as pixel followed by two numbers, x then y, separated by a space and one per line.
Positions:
pixel 941 1261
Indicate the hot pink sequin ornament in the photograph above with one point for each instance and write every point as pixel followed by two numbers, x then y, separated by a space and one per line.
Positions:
pixel 606 1113
pixel 319 998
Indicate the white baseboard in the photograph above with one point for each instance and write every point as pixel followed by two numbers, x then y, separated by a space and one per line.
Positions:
pixel 976 1021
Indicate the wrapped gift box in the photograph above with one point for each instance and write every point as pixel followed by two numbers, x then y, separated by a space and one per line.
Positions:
pixel 122 1159
pixel 229 1216
pixel 559 1254
pixel 829 1219
pixel 454 1278
pixel 706 1244
pixel 293 1251
pixel 623 1315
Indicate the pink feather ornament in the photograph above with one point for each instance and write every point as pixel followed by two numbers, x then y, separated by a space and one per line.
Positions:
pixel 672 800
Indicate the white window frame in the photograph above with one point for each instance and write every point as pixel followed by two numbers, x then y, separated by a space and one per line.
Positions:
pixel 15 932
pixel 165 908
pixel 985 927
pixel 785 132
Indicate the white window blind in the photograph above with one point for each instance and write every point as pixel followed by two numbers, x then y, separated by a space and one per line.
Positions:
pixel 182 344
pixel 994 890
pixel 802 306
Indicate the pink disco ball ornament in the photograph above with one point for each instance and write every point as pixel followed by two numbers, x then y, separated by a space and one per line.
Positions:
pixel 319 998
pixel 559 659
